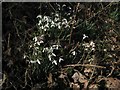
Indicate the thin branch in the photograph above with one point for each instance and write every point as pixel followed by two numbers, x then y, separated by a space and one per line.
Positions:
pixel 85 65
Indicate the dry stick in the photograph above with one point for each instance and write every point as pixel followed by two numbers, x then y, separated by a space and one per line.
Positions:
pixel 8 44
pixel 52 7
pixel 73 22
pixel 85 65
pixel 111 71
pixel 17 31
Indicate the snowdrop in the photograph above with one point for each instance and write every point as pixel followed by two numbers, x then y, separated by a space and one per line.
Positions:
pixel 40 22
pixel 54 62
pixel 39 16
pixel 35 39
pixel 57 15
pixel 55 46
pixel 63 5
pixel 39 42
pixel 52 25
pixel 56 19
pixel 73 53
pixel 30 46
pixel 46 25
pixel 45 18
pixel 70 8
pixel 84 36
pixel 93 49
pixel 38 61
pixel 92 44
pixel 59 27
pixel 49 57
pixel 104 50
pixel 60 59
pixel 53 55
pixel 36 48
pixel 35 53
pixel 45 49
pixel 31 61
pixel 24 56
pixel 42 27
pixel 64 21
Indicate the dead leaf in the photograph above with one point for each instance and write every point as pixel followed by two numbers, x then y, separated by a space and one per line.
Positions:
pixel 50 80
pixel 93 86
pixel 88 71
pixel 75 86
pixel 78 77
pixel 112 83
pixel 62 76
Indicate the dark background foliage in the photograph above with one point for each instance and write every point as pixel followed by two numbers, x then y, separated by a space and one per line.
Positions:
pixel 19 22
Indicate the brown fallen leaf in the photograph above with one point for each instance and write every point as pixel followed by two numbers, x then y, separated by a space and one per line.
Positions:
pixel 78 77
pixel 112 83
pixel 88 71
pixel 94 86
pixel 50 80
pixel 75 86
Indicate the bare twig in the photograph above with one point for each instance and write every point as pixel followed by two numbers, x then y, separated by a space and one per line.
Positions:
pixel 85 65
pixel 111 71
pixel 73 21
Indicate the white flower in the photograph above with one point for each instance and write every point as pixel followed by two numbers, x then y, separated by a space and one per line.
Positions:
pixel 64 21
pixel 49 57
pixel 93 49
pixel 69 7
pixel 46 25
pixel 86 49
pixel 33 61
pixel 109 55
pixel 42 27
pixel 52 25
pixel 59 27
pixel 30 46
pixel 36 48
pixel 53 55
pixel 39 22
pixel 105 50
pixel 56 46
pixel 54 62
pixel 38 43
pixel 92 44
pixel 45 29
pixel 45 49
pixel 41 42
pixel 35 39
pixel 60 59
pixel 35 53
pixel 56 19
pixel 39 16
pixel 45 18
pixel 38 61
pixel 63 5
pixel 73 53
pixel 24 56
pixel 57 15
pixel 50 50
pixel 84 36
pixel 67 26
